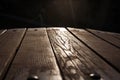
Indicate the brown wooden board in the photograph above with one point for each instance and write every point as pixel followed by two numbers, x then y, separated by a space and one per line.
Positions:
pixel 77 61
pixel 106 36
pixel 108 52
pixel 35 57
pixel 68 69
pixel 9 42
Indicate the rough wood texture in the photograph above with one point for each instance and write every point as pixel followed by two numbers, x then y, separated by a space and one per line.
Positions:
pixel 35 57
pixel 107 51
pixel 77 53
pixel 9 43
pixel 77 61
pixel 106 36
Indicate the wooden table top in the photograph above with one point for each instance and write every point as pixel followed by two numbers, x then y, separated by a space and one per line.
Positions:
pixel 59 54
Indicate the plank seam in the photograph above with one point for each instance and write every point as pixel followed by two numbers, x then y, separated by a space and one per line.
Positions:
pixel 15 53
pixel 95 52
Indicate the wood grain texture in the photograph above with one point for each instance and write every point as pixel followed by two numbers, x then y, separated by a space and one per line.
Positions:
pixel 9 43
pixel 35 57
pixel 69 70
pixel 106 36
pixel 77 61
pixel 107 51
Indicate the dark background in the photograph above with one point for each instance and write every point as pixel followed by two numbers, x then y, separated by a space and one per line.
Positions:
pixel 96 14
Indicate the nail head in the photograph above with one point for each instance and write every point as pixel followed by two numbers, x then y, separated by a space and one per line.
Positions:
pixel 95 76
pixel 33 78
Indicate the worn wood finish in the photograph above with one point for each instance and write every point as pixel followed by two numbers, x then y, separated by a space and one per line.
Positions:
pixel 77 61
pixel 9 43
pixel 105 50
pixel 69 70
pixel 59 54
pixel 35 57
pixel 106 37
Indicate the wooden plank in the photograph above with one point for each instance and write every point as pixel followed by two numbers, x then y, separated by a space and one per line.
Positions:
pixel 9 43
pixel 107 37
pixel 105 50
pixel 69 70
pixel 35 57
pixel 77 61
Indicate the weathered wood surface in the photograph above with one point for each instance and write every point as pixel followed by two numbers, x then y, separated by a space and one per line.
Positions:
pixel 9 43
pixel 106 37
pixel 59 54
pixel 105 50
pixel 77 61
pixel 35 57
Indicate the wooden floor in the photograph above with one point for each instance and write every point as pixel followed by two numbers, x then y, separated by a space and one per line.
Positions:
pixel 59 54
